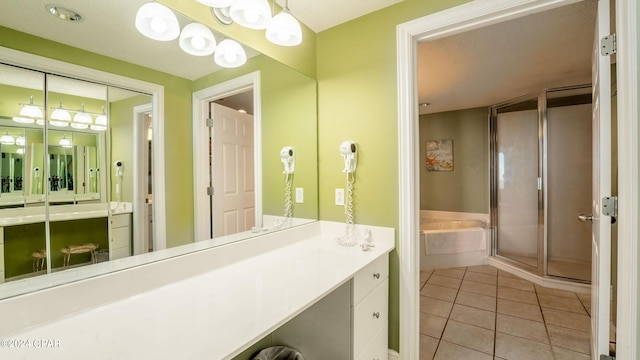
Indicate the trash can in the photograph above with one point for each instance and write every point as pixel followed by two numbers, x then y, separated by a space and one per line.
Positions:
pixel 102 255
pixel 278 353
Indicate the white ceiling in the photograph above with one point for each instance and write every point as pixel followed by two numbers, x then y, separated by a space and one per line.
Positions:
pixel 493 64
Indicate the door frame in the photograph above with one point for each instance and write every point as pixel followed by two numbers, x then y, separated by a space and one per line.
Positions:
pixel 140 179
pixel 477 14
pixel 201 100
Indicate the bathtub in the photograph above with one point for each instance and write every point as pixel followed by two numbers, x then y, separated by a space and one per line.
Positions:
pixel 453 240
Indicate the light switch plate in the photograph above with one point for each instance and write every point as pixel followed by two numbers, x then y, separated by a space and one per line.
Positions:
pixel 299 195
pixel 339 197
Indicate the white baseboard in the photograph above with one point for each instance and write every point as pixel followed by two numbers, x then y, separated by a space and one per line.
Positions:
pixel 393 355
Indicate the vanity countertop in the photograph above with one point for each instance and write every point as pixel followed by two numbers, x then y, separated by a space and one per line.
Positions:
pixel 217 313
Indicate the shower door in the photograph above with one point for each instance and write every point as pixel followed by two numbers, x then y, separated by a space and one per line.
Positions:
pixel 541 182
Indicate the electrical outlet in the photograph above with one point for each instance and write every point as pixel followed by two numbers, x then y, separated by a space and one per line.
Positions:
pixel 339 197
pixel 299 195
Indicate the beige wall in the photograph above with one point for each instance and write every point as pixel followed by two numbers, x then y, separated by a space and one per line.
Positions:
pixel 466 188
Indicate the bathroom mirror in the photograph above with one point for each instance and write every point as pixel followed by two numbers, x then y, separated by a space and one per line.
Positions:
pixel 87 167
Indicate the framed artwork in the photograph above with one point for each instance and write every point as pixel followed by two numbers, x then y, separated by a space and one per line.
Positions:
pixel 440 155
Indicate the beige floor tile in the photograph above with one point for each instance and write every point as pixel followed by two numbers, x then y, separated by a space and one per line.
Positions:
pixel 478 288
pixel 432 325
pixel 469 336
pixel 484 269
pixel 476 300
pixel 585 298
pixel 507 274
pixel 570 339
pixel 527 329
pixel 514 348
pixel 564 354
pixel 473 316
pixel 424 276
pixel 428 346
pixel 519 309
pixel 455 273
pixel 555 292
pixel 561 303
pixel 439 292
pixel 449 351
pixel 517 295
pixel 516 283
pixel 482 278
pixel 435 307
pixel 567 319
pixel 444 281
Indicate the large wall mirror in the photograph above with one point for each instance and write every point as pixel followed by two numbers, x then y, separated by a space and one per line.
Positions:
pixel 98 178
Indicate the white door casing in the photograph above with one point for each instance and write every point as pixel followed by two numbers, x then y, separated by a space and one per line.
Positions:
pixel 201 100
pixel 140 180
pixel 233 207
pixel 601 227
pixel 474 15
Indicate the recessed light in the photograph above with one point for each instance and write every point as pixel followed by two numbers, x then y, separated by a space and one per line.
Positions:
pixel 425 104
pixel 242 111
pixel 63 13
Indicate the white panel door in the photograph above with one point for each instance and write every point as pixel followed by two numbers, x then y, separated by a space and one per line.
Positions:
pixel 601 227
pixel 232 171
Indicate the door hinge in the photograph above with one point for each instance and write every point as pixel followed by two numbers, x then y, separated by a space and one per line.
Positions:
pixel 607 357
pixel 210 191
pixel 608 45
pixel 610 206
pixel 210 123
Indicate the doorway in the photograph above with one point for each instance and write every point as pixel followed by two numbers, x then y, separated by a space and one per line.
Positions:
pixel 471 16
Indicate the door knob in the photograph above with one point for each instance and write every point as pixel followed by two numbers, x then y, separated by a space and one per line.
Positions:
pixel 585 218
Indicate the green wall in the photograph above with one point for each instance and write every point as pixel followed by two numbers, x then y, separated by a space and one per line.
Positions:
pixel 177 113
pixel 357 100
pixel 466 188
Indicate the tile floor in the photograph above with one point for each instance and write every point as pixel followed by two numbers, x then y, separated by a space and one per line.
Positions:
pixel 480 312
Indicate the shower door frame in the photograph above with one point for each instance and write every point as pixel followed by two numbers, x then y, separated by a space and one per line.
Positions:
pixel 542 238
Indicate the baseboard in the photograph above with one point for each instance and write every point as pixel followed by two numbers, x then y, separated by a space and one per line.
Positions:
pixel 393 355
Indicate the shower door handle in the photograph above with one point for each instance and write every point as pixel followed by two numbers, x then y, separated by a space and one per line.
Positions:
pixel 585 218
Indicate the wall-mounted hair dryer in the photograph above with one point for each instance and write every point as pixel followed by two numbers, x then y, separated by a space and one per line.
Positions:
pixel 119 167
pixel 288 158
pixel 349 151
pixel 36 172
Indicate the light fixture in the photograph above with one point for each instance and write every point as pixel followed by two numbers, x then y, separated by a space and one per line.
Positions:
pixel 23 120
pixel 254 14
pixel 230 54
pixel 216 3
pixel 196 39
pixel 63 13
pixel 81 120
pixel 31 110
pixel 20 140
pixel 101 122
pixel 20 151
pixel 157 22
pixel 60 114
pixel 64 142
pixel 284 29
pixel 7 139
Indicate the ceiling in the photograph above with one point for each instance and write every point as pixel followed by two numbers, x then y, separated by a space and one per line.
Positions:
pixel 497 63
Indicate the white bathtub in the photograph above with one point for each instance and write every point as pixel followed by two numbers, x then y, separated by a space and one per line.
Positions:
pixel 449 242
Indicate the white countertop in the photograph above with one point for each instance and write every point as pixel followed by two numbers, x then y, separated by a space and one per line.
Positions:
pixel 248 290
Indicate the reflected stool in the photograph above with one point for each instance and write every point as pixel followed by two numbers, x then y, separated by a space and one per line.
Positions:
pixel 79 249
pixel 39 257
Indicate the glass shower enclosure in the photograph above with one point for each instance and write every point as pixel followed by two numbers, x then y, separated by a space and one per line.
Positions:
pixel 541 181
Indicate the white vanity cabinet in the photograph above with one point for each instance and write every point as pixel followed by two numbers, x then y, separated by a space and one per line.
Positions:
pixel 120 241
pixel 370 311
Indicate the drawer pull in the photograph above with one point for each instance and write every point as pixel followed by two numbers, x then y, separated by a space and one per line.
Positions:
pixel 376 275
pixel 376 315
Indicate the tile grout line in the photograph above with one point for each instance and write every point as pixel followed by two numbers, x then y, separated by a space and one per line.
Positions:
pixel 546 328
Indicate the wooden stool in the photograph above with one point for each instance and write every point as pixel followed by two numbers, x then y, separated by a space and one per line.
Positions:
pixel 39 257
pixel 79 249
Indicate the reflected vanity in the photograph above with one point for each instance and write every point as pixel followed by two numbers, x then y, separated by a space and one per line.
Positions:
pixel 62 188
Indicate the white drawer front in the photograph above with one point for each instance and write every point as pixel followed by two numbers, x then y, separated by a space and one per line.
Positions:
pixel 120 253
pixel 377 349
pixel 121 237
pixel 370 316
pixel 120 220
pixel 368 278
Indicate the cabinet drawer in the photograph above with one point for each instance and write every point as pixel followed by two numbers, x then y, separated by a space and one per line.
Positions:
pixel 120 237
pixel 368 278
pixel 377 349
pixel 370 316
pixel 120 253
pixel 120 220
